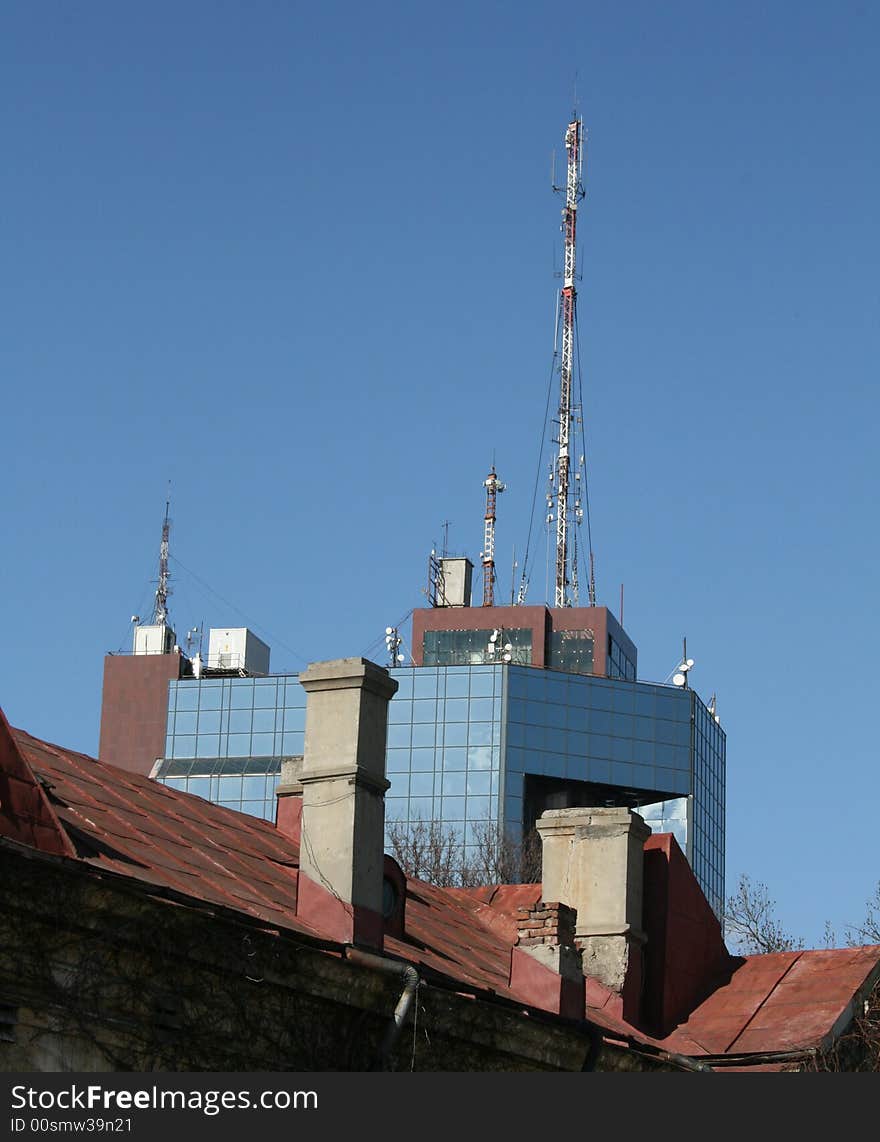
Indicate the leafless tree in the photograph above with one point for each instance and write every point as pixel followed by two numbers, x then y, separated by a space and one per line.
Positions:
pixel 431 851
pixel 499 859
pixel 750 924
pixel 426 850
pixel 868 932
pixel 858 1048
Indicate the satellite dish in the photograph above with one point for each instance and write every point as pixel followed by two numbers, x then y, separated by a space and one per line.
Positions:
pixel 389 630
pixel 400 658
pixel 689 663
pixel 678 679
pixel 493 636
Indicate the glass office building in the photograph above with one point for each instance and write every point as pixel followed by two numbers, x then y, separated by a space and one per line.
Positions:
pixel 472 744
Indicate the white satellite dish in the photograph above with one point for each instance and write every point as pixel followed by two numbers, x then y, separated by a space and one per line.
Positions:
pixel 678 679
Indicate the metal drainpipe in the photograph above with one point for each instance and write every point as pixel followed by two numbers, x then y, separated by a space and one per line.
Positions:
pixel 411 981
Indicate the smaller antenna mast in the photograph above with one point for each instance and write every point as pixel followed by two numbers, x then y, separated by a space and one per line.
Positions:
pixel 392 645
pixel 493 486
pixel 680 678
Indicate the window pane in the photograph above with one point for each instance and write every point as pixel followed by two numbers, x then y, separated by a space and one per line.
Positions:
pixel 185 746
pixel 262 744
pixel 421 785
pixel 454 758
pixel 264 721
pixel 453 808
pixel 187 697
pixel 185 722
pixel 453 784
pixel 397 760
pixel 398 736
pixel 423 734
pixel 253 788
pixel 479 782
pixel 478 808
pixel 242 696
pixel 239 745
pixel 421 808
pixel 209 721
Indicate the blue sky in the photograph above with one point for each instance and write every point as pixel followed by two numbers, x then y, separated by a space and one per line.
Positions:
pixel 299 261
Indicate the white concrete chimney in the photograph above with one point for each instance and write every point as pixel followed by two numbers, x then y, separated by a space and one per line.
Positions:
pixel 593 861
pixel 343 808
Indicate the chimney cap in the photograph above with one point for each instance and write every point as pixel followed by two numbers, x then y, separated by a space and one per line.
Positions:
pixel 344 673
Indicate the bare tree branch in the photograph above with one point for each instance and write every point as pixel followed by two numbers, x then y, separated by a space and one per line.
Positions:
pixel 431 851
pixel 868 932
pixel 749 922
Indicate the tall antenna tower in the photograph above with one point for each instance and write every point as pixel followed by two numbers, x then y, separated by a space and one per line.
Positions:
pixel 493 486
pixel 567 499
pixel 160 610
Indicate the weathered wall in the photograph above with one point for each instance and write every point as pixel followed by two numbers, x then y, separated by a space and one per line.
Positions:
pixel 107 977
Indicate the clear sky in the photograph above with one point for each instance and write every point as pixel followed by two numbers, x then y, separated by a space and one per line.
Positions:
pixel 298 260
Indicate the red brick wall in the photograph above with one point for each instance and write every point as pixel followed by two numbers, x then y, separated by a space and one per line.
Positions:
pixel 134 709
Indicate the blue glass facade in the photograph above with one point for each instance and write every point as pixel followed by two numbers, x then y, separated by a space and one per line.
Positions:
pixel 226 736
pixel 444 748
pixel 475 743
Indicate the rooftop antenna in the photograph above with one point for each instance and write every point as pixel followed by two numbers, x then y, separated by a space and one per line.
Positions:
pixel 190 639
pixel 392 645
pixel 160 610
pixel 498 650
pixel 561 493
pixel 493 486
pixel 680 678
pixel 436 590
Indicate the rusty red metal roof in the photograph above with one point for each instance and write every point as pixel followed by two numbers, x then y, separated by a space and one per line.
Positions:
pixel 69 804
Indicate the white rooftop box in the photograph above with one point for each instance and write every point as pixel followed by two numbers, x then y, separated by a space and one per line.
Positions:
pixel 152 638
pixel 237 648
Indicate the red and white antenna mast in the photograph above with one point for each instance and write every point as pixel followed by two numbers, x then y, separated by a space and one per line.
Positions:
pixel 160 608
pixel 568 508
pixel 493 486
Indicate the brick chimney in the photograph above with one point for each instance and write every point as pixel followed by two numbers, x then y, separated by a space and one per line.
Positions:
pixel 545 936
pixel 593 860
pixel 343 810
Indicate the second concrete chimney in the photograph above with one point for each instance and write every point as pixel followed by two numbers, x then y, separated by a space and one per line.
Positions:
pixel 343 809
pixel 593 860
